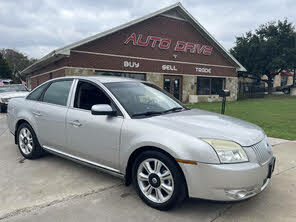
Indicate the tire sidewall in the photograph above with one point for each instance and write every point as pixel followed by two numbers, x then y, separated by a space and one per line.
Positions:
pixel 36 147
pixel 179 192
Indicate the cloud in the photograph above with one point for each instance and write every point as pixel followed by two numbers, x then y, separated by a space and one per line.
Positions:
pixel 37 27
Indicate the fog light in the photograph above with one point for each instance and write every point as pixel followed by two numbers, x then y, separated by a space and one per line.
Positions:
pixel 241 193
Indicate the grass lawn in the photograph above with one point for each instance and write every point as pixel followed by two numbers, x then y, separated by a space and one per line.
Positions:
pixel 276 114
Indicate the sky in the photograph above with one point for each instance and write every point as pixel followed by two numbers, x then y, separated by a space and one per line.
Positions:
pixel 36 27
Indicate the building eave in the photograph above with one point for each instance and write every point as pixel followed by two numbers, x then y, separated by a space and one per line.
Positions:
pixel 52 57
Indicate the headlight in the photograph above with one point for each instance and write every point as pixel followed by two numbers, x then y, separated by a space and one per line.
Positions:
pixel 228 151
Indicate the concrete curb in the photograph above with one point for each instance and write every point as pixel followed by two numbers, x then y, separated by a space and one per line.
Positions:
pixel 276 141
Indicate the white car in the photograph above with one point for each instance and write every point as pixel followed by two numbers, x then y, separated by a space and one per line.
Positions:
pixel 8 92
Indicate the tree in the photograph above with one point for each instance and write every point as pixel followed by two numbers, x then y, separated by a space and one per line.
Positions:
pixel 5 71
pixel 17 62
pixel 267 51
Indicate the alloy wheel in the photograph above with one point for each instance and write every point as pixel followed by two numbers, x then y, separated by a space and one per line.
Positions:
pixel 26 142
pixel 155 180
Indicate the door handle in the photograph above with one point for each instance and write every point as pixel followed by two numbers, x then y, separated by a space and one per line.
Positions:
pixel 37 113
pixel 75 123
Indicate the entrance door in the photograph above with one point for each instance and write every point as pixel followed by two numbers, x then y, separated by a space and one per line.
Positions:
pixel 173 85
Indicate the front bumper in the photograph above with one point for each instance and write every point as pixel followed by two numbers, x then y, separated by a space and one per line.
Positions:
pixel 227 182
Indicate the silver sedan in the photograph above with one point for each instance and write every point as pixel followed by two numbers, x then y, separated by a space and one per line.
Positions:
pixel 137 131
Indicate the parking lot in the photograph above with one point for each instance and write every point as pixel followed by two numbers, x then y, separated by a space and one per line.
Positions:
pixel 55 189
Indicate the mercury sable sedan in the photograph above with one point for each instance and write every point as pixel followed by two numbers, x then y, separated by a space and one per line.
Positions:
pixel 135 130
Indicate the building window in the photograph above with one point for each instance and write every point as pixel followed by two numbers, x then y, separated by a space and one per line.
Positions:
pixel 209 86
pixel 139 76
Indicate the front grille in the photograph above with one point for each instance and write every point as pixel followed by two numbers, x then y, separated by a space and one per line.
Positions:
pixel 262 151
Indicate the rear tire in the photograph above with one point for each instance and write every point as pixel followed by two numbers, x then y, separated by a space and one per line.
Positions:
pixel 28 143
pixel 158 180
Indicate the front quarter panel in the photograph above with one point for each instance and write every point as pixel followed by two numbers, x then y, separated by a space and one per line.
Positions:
pixel 137 133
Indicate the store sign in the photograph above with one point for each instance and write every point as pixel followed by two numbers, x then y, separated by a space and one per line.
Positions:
pixel 203 70
pixel 164 43
pixel 129 64
pixel 169 68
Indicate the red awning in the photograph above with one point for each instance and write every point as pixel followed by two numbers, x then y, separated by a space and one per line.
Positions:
pixel 287 73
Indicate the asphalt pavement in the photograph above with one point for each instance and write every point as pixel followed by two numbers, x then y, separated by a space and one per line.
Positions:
pixel 56 189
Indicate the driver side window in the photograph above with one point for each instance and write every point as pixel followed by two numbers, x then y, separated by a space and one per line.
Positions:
pixel 88 95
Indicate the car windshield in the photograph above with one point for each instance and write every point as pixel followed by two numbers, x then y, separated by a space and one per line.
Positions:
pixel 12 88
pixel 143 99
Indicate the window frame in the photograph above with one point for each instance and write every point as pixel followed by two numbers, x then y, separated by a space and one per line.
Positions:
pixel 50 83
pixel 72 102
pixel 210 88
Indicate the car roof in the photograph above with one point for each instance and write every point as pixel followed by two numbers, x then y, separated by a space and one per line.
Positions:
pixel 102 79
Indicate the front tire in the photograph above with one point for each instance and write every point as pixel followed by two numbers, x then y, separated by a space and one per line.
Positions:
pixel 158 180
pixel 28 143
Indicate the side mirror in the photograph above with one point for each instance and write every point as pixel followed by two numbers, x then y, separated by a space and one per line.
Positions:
pixel 102 109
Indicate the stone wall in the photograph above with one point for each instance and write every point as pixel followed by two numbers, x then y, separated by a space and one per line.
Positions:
pixel 277 81
pixel 290 80
pixel 204 98
pixel 79 72
pixel 189 87
pixel 232 84
pixel 156 79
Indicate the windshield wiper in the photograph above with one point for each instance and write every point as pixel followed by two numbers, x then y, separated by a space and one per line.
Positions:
pixel 173 109
pixel 148 113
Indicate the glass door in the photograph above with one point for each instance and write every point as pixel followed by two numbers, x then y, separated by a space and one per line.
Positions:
pixel 173 85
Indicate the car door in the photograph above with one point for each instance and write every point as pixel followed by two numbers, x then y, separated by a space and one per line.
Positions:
pixel 93 138
pixel 51 114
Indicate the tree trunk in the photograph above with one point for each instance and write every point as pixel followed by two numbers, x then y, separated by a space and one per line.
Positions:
pixel 270 84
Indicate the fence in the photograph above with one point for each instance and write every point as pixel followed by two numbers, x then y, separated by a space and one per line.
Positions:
pixel 251 89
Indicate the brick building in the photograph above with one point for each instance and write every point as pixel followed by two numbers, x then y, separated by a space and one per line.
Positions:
pixel 168 48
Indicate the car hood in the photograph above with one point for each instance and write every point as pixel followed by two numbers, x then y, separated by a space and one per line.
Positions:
pixel 13 94
pixel 204 124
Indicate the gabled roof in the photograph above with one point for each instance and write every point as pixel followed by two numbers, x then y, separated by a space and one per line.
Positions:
pixel 176 11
